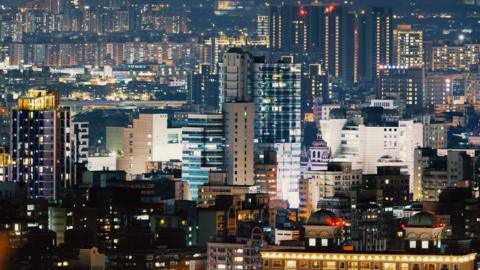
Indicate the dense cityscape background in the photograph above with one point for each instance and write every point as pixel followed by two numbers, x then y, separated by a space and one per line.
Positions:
pixel 240 134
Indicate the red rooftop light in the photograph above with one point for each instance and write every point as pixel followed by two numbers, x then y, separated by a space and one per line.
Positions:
pixel 330 8
pixel 302 12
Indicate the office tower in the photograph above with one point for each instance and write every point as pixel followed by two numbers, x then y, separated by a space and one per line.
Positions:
pixel 147 140
pixel 239 142
pixel 236 76
pixel 374 38
pixel 277 98
pixel 408 47
pixel 203 149
pixel 403 85
pixel 203 86
pixel 41 145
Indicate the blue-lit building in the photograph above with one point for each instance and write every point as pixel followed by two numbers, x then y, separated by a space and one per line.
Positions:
pixel 41 146
pixel 277 99
pixel 203 149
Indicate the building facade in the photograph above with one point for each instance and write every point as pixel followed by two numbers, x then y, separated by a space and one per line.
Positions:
pixel 41 144
pixel 203 149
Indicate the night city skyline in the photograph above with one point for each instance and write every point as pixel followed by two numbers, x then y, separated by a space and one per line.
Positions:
pixel 240 134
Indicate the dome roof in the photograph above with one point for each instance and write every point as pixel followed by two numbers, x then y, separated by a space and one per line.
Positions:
pixel 423 220
pixel 322 218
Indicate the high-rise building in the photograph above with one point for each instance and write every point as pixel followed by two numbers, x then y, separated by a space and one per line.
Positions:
pixel 295 27
pixel 408 46
pixel 149 139
pixel 236 76
pixel 203 149
pixel 41 145
pixel 278 122
pixel 326 30
pixel 374 38
pixel 338 45
pixel 239 142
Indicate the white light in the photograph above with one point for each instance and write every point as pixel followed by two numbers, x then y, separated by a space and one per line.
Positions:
pixel 461 37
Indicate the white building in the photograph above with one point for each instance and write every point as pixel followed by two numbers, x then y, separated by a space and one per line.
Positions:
pixel 370 146
pixel 149 139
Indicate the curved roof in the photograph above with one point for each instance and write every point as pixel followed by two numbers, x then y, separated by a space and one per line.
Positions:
pixel 322 218
pixel 422 220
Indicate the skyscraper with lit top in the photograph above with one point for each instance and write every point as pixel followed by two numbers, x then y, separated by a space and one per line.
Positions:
pixel 41 144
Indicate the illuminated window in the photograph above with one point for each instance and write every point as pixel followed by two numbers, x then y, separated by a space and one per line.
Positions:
pixel 312 242
pixel 425 244
pixel 413 244
pixel 324 242
pixel 315 264
pixel 291 264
